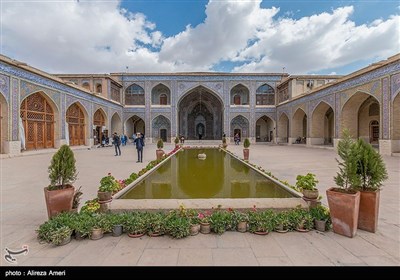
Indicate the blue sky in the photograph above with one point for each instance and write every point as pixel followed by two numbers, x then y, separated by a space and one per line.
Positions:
pixel 305 37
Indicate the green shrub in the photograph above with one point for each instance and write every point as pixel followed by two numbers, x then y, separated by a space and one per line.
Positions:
pixel 306 182
pixel 62 170
pixel 246 143
pixel 160 144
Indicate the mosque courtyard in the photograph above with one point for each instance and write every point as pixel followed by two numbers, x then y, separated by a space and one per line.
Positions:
pixel 23 209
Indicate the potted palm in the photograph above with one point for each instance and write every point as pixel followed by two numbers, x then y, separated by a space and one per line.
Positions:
pixel 159 151
pixel 59 194
pixel 344 201
pixel 307 183
pixel 246 151
pixel 372 172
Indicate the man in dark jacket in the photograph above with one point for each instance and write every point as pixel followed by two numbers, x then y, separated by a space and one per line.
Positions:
pixel 117 143
pixel 139 146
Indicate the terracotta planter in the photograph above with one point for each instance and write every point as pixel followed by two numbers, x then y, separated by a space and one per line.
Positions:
pixel 369 210
pixel 194 229
pixel 261 232
pixel 58 201
pixel 159 154
pixel 97 233
pixel 242 227
pixel 205 228
pixel 135 235
pixel 310 194
pixel 320 225
pixel 104 196
pixel 246 153
pixel 344 211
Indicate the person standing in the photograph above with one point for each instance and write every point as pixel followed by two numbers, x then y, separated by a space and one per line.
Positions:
pixel 117 143
pixel 139 146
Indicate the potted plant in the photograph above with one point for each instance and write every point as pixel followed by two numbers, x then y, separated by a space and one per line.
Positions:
pixel 108 186
pixel 372 172
pixel 205 226
pixel 261 223
pixel 176 142
pixel 61 236
pixel 307 183
pixel 344 202
pixel 282 222
pixel 241 220
pixel 155 224
pixel 220 221
pixel 246 151
pixel 194 222
pixel 320 215
pixel 159 151
pixel 177 225
pixel 135 224
pixel 59 194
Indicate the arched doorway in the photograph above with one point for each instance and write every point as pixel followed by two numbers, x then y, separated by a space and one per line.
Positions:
pixel 299 125
pixel 358 113
pixel 396 124
pixel 161 128
pixel 133 125
pixel 239 95
pixel 38 120
pixel 3 122
pixel 160 95
pixel 283 129
pixel 200 115
pixel 116 124
pixel 76 125
pixel 240 125
pixel 99 124
pixel 264 129
pixel 134 95
pixel 322 125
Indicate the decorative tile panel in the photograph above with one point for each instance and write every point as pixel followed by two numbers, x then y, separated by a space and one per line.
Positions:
pixel 385 110
pixel 395 85
pixel 15 109
pixel 5 87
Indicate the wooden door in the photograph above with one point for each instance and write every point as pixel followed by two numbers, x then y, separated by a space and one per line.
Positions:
pixel 76 125
pixel 374 132
pixel 38 120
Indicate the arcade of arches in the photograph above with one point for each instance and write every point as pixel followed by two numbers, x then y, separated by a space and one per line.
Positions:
pixel 38 119
pixel 200 115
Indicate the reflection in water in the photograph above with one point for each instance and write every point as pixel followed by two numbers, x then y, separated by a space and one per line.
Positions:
pixel 218 176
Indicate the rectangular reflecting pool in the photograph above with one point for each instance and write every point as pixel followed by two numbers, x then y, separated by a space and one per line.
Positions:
pixel 220 175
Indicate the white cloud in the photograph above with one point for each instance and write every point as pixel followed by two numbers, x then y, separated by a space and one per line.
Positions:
pixel 80 37
pixel 100 37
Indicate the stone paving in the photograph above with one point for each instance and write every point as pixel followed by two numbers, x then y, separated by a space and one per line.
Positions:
pixel 23 209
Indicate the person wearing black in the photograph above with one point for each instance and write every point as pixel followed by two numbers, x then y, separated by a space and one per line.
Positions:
pixel 139 146
pixel 117 143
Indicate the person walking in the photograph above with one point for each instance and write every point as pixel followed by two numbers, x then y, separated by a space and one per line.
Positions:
pixel 139 146
pixel 117 143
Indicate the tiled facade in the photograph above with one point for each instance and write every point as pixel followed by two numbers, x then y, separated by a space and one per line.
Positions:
pixel 229 99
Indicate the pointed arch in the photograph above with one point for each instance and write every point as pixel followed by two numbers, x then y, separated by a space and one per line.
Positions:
pixel 160 95
pixel 99 126
pixel 356 118
pixel 265 129
pixel 299 124
pixel 133 125
pixel 322 124
pixel 134 95
pixel 116 124
pixel 161 128
pixel 240 125
pixel 240 95
pixel 40 118
pixel 283 128
pixel 77 120
pixel 265 95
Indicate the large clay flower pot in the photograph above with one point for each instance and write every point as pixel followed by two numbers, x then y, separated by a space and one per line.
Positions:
pixel 159 154
pixel 369 210
pixel 344 211
pixel 58 201
pixel 246 153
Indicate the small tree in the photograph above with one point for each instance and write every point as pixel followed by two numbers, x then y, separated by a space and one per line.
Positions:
pixel 176 140
pixel 160 144
pixel 371 168
pixel 347 178
pixel 246 143
pixel 62 170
